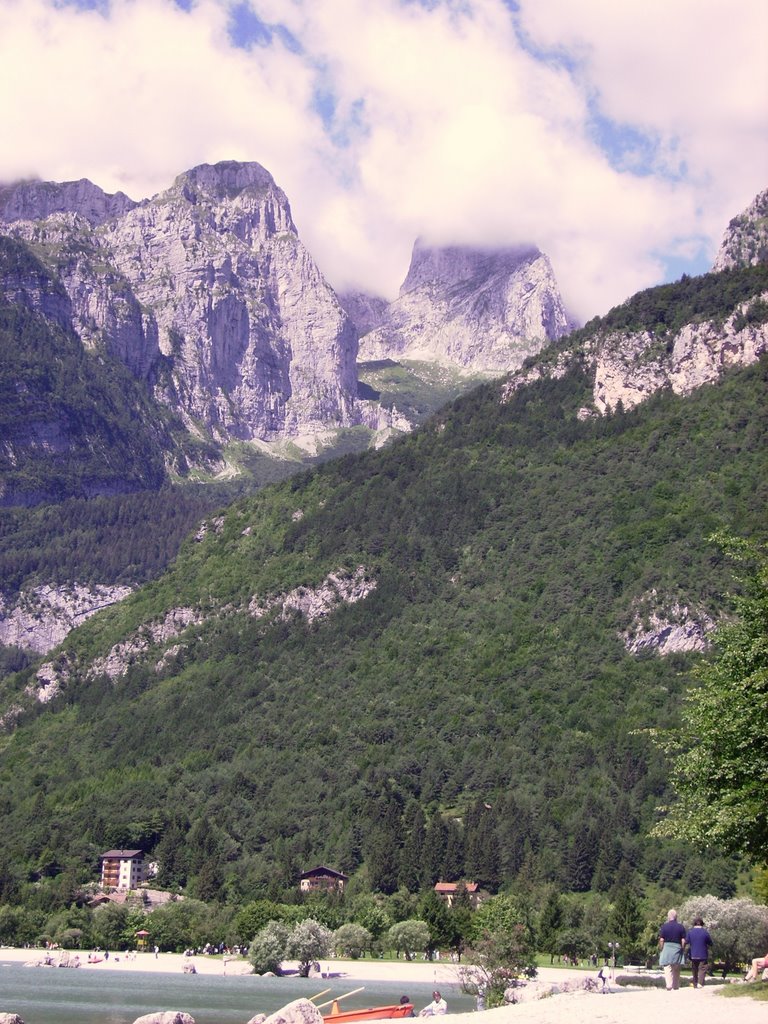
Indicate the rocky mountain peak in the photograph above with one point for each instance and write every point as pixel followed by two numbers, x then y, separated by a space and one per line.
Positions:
pixel 206 293
pixel 745 243
pixel 226 179
pixel 479 309
pixel 37 200
pixel 449 265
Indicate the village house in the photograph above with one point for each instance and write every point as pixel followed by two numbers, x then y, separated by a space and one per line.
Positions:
pixel 122 869
pixel 447 892
pixel 323 879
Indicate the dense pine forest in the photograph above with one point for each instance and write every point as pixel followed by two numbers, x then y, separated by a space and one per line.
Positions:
pixel 477 715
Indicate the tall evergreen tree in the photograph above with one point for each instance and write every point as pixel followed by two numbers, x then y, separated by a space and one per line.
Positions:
pixel 550 923
pixel 411 870
pixel 482 860
pixel 626 923
pixel 435 914
pixel 435 847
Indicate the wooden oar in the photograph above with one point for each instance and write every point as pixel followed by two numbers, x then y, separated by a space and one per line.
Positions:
pixel 317 996
pixel 346 994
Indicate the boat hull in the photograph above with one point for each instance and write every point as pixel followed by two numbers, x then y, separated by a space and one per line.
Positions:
pixel 372 1013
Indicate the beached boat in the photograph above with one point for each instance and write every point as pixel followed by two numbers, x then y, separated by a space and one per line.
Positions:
pixel 372 1013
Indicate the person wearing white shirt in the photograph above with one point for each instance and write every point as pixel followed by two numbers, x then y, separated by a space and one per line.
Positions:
pixel 437 1006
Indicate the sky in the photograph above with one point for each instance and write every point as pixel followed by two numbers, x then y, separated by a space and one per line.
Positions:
pixel 619 136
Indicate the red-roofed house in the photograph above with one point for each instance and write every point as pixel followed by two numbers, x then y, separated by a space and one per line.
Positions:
pixel 323 879
pixel 122 869
pixel 447 892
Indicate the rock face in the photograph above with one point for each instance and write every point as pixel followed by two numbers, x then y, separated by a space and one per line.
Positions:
pixel 38 200
pixel 159 641
pixel 627 367
pixel 40 620
pixel 632 371
pixel 482 310
pixel 746 239
pixel 365 311
pixel 300 1011
pixel 666 627
pixel 205 292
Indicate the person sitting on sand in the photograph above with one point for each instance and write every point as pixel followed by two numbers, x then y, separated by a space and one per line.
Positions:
pixel 760 963
pixel 437 1006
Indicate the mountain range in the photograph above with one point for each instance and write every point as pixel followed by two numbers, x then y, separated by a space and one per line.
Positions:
pixel 204 306
pixel 428 639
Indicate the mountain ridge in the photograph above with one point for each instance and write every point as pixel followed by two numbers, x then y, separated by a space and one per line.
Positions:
pixel 483 310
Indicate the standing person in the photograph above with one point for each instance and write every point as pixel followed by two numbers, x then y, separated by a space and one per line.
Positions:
pixel 699 943
pixel 436 1007
pixel 672 947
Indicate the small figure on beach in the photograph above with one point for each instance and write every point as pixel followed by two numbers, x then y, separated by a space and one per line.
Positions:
pixel 699 943
pixel 760 963
pixel 672 950
pixel 604 977
pixel 405 1001
pixel 436 1007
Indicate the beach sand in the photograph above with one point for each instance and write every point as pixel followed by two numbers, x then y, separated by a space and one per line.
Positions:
pixel 619 1006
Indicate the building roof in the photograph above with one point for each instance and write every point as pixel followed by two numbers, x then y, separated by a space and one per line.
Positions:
pixel 321 869
pixel 449 887
pixel 122 854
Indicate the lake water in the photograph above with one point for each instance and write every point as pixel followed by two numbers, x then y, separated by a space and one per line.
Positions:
pixel 42 995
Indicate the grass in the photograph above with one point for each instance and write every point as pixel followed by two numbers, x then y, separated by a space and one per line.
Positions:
pixel 758 991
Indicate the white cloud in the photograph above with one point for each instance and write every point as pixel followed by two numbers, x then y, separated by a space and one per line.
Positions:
pixel 454 130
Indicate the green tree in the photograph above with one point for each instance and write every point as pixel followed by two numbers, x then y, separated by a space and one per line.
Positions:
pixel 368 911
pixel 503 949
pixel 626 923
pixel 719 753
pixel 269 948
pixel 550 922
pixel 308 941
pixel 407 937
pixel 108 925
pixel 460 920
pixel 254 916
pixel 180 925
pixel 738 927
pixel 482 862
pixel 435 914
pixel 412 854
pixel 351 940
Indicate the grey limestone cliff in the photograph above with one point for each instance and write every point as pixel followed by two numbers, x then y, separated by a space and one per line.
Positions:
pixel 40 619
pixel 629 366
pixel 365 311
pixel 206 293
pixel 745 242
pixel 38 200
pixel 482 310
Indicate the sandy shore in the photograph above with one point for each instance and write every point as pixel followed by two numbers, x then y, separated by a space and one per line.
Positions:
pixel 619 1006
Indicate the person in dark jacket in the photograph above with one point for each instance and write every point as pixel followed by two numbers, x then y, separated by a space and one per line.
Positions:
pixel 699 942
pixel 671 950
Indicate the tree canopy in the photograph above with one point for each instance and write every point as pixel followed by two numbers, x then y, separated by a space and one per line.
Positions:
pixel 720 750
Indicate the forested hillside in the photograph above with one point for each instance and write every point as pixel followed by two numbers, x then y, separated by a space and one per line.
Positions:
pixel 476 714
pixel 72 423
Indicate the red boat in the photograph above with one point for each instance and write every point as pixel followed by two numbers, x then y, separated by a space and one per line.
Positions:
pixel 372 1013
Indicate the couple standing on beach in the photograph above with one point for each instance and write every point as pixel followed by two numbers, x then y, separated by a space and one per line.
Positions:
pixel 673 940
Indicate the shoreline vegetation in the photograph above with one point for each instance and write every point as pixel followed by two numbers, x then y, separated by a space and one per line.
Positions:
pixel 620 1005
